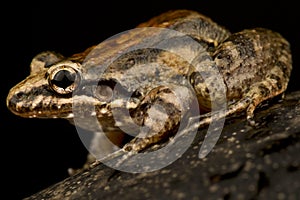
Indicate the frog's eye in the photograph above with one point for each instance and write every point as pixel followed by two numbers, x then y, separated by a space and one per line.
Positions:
pixel 64 78
pixel 104 91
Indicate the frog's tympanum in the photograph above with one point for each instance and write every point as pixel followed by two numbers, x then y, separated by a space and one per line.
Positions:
pixel 254 64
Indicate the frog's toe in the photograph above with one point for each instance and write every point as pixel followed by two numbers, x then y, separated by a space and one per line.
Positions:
pixel 251 120
pixel 250 114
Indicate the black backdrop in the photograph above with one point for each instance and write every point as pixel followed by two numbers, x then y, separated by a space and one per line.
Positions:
pixel 38 152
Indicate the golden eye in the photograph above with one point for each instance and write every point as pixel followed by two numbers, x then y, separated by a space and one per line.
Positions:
pixel 64 78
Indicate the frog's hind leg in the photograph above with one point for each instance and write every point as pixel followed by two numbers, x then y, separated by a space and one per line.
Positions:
pixel 258 93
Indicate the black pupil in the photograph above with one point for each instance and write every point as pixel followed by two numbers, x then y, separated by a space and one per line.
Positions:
pixel 63 79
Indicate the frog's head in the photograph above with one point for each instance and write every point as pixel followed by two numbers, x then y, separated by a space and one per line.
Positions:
pixel 54 84
pixel 46 92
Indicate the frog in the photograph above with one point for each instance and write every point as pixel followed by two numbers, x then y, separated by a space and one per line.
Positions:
pixel 254 64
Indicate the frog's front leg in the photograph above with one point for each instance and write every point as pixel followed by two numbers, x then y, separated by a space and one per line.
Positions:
pixel 159 115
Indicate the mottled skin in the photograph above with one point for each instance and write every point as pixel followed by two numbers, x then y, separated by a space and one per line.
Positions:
pixel 254 64
pixel 261 59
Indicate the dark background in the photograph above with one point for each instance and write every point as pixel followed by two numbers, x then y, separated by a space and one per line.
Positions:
pixel 36 152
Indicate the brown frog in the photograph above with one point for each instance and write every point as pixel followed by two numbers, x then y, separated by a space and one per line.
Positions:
pixel 254 65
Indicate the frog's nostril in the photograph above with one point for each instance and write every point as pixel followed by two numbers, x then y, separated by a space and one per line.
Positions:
pixel 14 97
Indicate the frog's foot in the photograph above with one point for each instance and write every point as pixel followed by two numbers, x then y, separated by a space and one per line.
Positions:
pixel 73 171
pixel 91 160
pixel 259 93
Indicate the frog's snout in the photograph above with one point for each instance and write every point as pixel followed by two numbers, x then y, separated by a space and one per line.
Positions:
pixel 15 101
pixel 37 101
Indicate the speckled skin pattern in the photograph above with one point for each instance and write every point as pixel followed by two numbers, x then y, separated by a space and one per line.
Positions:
pixel 255 65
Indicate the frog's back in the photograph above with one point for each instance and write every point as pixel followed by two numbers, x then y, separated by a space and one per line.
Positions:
pixel 253 56
pixel 194 24
pixel 126 48
pixel 199 27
